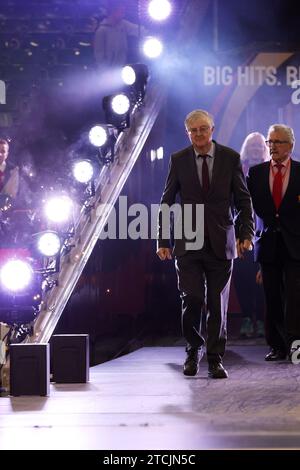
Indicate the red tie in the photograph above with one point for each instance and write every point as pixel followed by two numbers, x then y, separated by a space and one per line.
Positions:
pixel 205 175
pixel 277 186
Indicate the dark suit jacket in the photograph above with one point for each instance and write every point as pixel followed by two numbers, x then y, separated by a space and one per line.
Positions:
pixel 227 191
pixel 269 222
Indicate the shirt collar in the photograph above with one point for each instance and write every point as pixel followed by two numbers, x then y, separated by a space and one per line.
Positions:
pixel 210 153
pixel 285 163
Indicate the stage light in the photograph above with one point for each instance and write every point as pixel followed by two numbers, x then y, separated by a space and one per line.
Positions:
pixel 16 275
pixel 117 110
pixel 83 171
pixel 136 77
pixel 120 104
pixel 104 136
pixel 159 10
pixel 5 202
pixel 98 136
pixel 160 153
pixel 58 209
pixel 156 154
pixel 48 243
pixel 152 48
pixel 128 75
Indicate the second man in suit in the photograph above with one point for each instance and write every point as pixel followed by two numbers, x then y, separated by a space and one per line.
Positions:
pixel 208 174
pixel 275 191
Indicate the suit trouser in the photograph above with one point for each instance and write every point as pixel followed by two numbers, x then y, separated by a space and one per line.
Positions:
pixel 281 281
pixel 199 273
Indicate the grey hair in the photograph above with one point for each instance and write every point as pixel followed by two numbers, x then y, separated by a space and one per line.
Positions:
pixel 198 113
pixel 288 131
pixel 244 152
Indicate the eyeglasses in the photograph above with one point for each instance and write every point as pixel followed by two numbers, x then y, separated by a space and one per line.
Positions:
pixel 202 130
pixel 275 142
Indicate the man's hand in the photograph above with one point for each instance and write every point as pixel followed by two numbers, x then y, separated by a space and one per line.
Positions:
pixel 241 247
pixel 164 253
pixel 259 278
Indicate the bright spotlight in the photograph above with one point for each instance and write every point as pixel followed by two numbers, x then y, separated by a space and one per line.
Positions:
pixel 106 150
pixel 159 10
pixel 152 48
pixel 48 244
pixel 157 154
pixel 135 76
pixel 128 75
pixel 83 171
pixel 160 153
pixel 16 275
pixel 117 110
pixel 98 136
pixel 58 209
pixel 120 104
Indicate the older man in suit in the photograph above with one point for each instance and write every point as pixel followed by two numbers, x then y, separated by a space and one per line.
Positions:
pixel 275 191
pixel 208 174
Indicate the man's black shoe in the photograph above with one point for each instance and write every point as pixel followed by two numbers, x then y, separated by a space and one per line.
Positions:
pixel 275 355
pixel 191 364
pixel 217 371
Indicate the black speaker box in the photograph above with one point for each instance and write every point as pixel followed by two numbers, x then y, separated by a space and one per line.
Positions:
pixel 29 369
pixel 70 358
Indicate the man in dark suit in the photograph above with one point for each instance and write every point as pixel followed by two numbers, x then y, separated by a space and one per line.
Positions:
pixel 275 191
pixel 210 175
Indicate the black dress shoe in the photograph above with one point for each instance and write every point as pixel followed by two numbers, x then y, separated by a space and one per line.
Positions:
pixel 217 371
pixel 191 364
pixel 275 355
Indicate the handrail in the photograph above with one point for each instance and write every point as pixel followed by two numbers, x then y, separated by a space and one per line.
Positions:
pixel 89 228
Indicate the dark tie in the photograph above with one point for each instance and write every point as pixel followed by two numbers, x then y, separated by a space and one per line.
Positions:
pixel 205 174
pixel 277 186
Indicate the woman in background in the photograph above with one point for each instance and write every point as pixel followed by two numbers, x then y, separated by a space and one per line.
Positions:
pixel 246 273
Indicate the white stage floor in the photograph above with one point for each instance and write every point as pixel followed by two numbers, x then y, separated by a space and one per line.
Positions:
pixel 143 401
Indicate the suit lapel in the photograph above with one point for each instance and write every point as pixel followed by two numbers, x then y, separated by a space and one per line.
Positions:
pixel 266 184
pixel 290 186
pixel 217 166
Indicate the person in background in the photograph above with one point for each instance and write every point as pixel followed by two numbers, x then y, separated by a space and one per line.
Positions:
pixel 246 273
pixel 9 174
pixel 111 42
pixel 275 190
